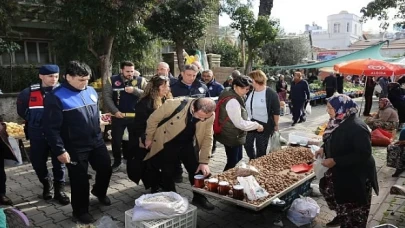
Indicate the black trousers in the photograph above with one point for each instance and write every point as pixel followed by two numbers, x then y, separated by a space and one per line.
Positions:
pixel 117 131
pixel 369 103
pixel 298 110
pixel 167 159
pixel 100 161
pixel 261 139
pixel 329 92
pixel 3 176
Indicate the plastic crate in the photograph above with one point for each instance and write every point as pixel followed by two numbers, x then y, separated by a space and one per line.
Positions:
pixel 186 220
pixel 304 189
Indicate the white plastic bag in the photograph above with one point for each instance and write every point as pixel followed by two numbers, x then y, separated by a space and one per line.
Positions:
pixel 377 89
pixel 308 109
pixel 125 136
pixel 17 153
pixel 159 205
pixel 106 222
pixel 274 143
pixel 251 188
pixel 303 211
pixel 319 169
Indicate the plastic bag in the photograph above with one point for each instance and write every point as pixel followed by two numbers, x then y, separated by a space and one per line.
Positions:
pixel 251 188
pixel 308 109
pixel 159 205
pixel 303 211
pixel 106 222
pixel 385 133
pixel 275 143
pixel 17 152
pixel 379 139
pixel 319 169
pixel 244 170
pixel 125 136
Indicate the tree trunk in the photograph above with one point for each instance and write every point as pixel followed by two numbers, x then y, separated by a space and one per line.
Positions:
pixel 265 7
pixel 249 64
pixel 105 58
pixel 11 73
pixel 242 44
pixel 180 56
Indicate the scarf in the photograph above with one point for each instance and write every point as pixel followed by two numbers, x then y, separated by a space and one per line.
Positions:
pixel 386 103
pixel 344 108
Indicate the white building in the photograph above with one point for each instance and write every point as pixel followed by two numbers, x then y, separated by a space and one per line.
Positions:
pixel 343 30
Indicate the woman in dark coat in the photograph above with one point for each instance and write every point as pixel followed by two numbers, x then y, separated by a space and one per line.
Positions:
pixel 155 94
pixel 352 174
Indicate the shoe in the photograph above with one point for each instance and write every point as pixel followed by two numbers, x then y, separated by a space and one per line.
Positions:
pixel 48 187
pixel 202 201
pixel 60 194
pixel 155 189
pixel 293 124
pixel 102 199
pixel 4 200
pixel 178 178
pixel 334 223
pixel 302 121
pixel 85 218
pixel 398 172
pixel 115 167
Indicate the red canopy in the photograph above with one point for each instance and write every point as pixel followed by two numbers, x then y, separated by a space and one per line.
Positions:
pixel 369 67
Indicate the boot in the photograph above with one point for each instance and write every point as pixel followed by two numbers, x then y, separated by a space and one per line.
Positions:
pixel 60 194
pixel 48 187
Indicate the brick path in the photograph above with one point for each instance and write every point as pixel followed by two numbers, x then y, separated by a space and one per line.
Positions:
pixel 25 190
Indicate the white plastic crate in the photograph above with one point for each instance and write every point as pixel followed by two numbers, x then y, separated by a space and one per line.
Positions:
pixel 186 220
pixel 304 138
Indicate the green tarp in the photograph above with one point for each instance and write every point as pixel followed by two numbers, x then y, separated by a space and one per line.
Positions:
pixel 372 52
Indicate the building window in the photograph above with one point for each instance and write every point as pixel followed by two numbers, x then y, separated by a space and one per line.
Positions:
pixel 336 28
pixel 348 27
pixel 31 52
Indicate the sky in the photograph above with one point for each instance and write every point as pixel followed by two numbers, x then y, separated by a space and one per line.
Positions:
pixel 294 14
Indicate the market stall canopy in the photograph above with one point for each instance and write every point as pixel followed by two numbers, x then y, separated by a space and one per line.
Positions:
pixel 369 67
pixel 372 52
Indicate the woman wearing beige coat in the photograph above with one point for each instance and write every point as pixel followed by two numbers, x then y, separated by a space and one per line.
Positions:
pixel 386 118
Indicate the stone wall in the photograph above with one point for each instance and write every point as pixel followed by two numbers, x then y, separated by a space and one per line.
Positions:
pixel 8 107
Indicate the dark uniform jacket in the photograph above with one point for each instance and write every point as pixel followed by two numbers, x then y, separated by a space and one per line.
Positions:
pixel 73 120
pixel 196 90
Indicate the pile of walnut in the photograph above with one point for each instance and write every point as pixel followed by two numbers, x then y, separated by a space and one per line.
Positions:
pixel 274 174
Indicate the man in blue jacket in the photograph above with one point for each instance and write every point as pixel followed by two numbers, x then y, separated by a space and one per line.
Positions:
pixel 73 132
pixel 30 107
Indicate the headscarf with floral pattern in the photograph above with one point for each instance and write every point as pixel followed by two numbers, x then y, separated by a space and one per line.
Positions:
pixel 344 108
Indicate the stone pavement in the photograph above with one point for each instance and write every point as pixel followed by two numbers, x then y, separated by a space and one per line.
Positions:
pixel 25 190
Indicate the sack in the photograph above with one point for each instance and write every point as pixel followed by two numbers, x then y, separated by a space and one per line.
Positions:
pixel 274 143
pixel 251 188
pixel 303 211
pixel 319 169
pixel 379 139
pixel 308 109
pixel 244 170
pixel 385 133
pixel 217 125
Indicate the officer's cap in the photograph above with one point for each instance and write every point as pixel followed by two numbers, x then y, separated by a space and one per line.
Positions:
pixel 49 69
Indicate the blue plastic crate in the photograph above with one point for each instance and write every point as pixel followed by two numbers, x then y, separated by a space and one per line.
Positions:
pixel 304 189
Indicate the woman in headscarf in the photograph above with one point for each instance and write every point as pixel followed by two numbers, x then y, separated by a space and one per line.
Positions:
pixel 156 93
pixel 347 184
pixel 386 118
pixel 396 155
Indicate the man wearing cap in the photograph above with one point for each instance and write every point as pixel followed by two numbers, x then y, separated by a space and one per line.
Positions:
pixel 30 107
pixel 121 92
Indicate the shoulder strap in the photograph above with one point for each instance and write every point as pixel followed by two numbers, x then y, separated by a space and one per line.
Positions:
pixel 251 103
pixel 177 110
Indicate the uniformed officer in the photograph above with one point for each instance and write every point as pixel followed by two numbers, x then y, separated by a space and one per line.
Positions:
pixel 121 93
pixel 73 132
pixel 30 106
pixel 188 86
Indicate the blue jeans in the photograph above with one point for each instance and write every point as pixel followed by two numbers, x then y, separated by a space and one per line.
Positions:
pixel 233 154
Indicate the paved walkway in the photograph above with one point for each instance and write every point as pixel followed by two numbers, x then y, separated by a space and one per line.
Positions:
pixel 25 190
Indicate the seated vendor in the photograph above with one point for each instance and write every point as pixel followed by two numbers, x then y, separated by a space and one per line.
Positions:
pixel 396 152
pixel 386 118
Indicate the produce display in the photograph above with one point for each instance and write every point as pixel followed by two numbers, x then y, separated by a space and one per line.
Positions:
pixel 274 173
pixel 97 84
pixel 15 130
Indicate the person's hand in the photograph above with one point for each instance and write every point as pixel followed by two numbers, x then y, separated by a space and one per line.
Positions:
pixel 129 89
pixel 64 158
pixel 319 153
pixel 260 128
pixel 276 128
pixel 205 170
pixel 148 143
pixel 141 145
pixel 119 115
pixel 329 162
